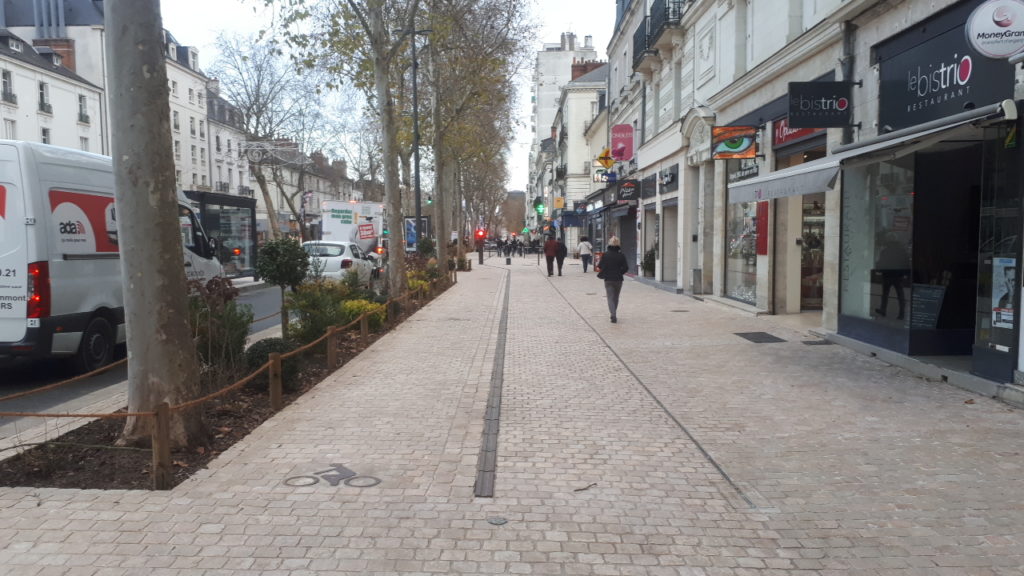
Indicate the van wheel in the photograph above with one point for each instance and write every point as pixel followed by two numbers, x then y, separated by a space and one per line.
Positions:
pixel 97 346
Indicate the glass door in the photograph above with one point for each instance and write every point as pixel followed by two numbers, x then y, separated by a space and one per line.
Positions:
pixel 997 321
pixel 812 252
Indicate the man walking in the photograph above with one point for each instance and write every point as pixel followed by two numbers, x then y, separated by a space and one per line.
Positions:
pixel 550 249
pixel 560 253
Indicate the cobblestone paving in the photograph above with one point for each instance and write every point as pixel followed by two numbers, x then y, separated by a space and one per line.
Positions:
pixel 661 445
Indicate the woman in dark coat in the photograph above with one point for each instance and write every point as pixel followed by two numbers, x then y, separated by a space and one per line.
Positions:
pixel 613 267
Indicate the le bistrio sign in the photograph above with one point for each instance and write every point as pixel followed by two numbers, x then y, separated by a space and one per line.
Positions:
pixel 932 70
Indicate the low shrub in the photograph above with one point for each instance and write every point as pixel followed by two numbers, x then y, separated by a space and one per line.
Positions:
pixel 377 313
pixel 318 307
pixel 219 326
pixel 259 353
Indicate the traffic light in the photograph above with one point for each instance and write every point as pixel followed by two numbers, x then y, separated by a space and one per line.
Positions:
pixel 538 205
pixel 480 233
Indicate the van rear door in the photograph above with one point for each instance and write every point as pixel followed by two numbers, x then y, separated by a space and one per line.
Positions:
pixel 13 248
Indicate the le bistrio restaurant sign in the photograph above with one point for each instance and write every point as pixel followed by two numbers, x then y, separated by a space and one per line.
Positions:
pixel 931 71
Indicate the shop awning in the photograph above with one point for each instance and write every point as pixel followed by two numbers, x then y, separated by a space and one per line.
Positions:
pixel 820 175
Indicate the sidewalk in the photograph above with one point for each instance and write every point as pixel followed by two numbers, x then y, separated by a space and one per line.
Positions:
pixel 663 444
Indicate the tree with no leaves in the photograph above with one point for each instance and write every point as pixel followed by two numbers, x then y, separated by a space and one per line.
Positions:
pixel 162 361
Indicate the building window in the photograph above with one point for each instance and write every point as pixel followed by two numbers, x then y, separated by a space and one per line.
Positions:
pixel 217 142
pixel 8 88
pixel 174 88
pixel 44 136
pixel 202 128
pixel 199 98
pixel 202 156
pixel 175 121
pixel 192 125
pixel 229 145
pixel 44 98
pixel 15 44
pixel 191 96
pixel 193 154
pixel 83 109
pixel 195 179
pixel 10 131
pixel 177 177
pixel 177 150
pixel 204 179
pixel 83 143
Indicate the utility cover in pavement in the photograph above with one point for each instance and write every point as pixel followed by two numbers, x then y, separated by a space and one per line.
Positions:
pixel 818 342
pixel 760 337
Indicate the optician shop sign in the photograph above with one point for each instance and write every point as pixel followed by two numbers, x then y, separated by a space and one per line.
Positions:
pixel 931 71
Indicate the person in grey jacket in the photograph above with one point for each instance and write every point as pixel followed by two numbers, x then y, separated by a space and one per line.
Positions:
pixel 611 269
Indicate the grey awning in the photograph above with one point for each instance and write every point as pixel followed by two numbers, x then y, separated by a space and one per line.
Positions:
pixel 820 175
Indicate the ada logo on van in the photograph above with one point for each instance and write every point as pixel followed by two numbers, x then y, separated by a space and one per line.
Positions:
pixel 79 222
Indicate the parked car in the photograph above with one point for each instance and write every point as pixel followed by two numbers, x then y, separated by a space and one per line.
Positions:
pixel 336 259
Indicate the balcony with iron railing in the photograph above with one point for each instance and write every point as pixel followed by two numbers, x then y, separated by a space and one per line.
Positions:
pixel 665 15
pixel 83 118
pixel 643 53
pixel 245 191
pixel 10 97
pixel 46 107
pixel 224 187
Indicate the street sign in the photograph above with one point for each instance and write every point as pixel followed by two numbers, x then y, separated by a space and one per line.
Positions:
pixel 606 159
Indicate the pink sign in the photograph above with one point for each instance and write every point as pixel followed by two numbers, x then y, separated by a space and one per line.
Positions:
pixel 783 134
pixel 622 142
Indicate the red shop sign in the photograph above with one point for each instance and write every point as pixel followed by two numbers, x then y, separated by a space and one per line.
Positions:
pixel 782 134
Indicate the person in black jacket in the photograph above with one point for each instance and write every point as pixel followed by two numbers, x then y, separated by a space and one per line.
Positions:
pixel 612 267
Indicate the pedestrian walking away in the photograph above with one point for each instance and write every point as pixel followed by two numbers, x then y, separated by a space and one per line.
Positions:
pixel 550 249
pixel 612 268
pixel 560 253
pixel 586 251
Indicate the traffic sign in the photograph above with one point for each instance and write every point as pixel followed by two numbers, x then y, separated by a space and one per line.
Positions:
pixel 606 159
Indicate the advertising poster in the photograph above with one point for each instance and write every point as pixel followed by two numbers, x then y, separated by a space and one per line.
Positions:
pixel 83 223
pixel 1004 286
pixel 733 142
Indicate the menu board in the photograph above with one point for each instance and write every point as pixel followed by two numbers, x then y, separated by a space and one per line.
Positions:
pixel 925 305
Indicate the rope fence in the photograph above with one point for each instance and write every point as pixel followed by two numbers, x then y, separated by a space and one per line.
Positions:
pixel 161 470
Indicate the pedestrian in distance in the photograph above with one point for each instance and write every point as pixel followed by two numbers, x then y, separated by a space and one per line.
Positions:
pixel 586 250
pixel 611 269
pixel 550 249
pixel 560 253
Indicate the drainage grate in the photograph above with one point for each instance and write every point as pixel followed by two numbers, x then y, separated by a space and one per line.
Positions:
pixel 678 310
pixel 760 337
pixel 818 342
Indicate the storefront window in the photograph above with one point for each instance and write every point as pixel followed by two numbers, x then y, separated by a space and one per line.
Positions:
pixel 232 227
pixel 741 251
pixel 877 240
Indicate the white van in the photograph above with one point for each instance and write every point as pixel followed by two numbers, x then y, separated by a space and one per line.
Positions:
pixel 60 270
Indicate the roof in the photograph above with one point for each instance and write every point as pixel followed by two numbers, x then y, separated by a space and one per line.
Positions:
pixel 596 75
pixel 38 57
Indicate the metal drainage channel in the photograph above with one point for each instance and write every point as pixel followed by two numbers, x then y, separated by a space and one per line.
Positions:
pixel 487 460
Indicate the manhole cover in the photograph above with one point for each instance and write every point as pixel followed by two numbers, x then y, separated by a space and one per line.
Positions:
pixel 496 520
pixel 818 342
pixel 760 337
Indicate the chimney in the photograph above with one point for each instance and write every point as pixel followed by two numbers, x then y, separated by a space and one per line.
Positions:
pixel 588 42
pixel 63 46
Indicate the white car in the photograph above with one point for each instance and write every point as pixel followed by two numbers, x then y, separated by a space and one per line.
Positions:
pixel 334 260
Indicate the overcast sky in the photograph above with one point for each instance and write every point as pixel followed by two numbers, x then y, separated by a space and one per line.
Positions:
pixel 197 23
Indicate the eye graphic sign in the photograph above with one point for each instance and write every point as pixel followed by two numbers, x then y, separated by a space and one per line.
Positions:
pixel 729 142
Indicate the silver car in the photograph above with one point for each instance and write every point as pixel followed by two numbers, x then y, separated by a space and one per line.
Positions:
pixel 334 260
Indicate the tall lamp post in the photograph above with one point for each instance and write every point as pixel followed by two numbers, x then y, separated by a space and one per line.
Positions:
pixel 416 138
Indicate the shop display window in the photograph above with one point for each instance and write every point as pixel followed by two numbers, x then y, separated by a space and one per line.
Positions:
pixel 741 252
pixel 877 241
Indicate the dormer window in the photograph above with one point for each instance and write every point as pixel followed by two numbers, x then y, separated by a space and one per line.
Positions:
pixel 15 45
pixel 57 59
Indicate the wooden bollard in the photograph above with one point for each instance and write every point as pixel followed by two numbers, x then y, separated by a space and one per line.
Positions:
pixel 275 382
pixel 364 329
pixel 162 475
pixel 332 348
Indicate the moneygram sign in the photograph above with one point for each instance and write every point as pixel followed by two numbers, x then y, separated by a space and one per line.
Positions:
pixel 996 28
